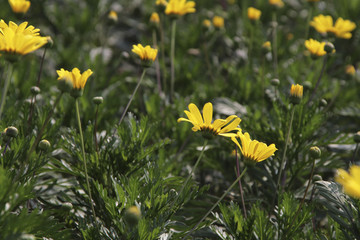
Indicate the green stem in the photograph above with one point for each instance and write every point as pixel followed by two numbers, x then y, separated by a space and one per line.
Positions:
pixel 157 65
pixel 308 23
pixel 218 201
pixel 285 148
pixel 84 156
pixel 172 83
pixel 355 153
pixel 95 130
pixel 274 44
pixel 191 173
pixel 6 88
pixel 318 81
pixel 39 135
pixel 162 50
pixel 240 185
pixel 306 190
pixel 132 96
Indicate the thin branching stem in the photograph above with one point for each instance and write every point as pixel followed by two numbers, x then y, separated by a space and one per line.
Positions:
pixel 318 81
pixel 95 130
pixel 84 156
pixel 218 201
pixel 157 65
pixel 6 88
pixel 274 44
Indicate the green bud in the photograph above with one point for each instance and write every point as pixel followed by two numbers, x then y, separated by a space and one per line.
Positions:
pixel 315 152
pixel 275 82
pixel 50 42
pixel 44 145
pixel 357 137
pixel 12 132
pixel 65 85
pixel 307 85
pixel 35 90
pixel 98 100
pixel 132 215
pixel 323 103
pixel 317 177
pixel 75 93
pixel 329 47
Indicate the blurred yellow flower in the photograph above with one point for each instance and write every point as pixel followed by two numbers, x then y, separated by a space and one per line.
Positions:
pixel 253 150
pixel 350 69
pixel 218 21
pixel 19 39
pixel 19 6
pixel 206 23
pixel 180 7
pixel 154 18
pixel 341 29
pixel 277 3
pixel 203 123
pixel 161 2
pixel 77 79
pixel 253 13
pixel 296 90
pixel 315 48
pixel 145 53
pixel 266 45
pixel 350 182
pixel 113 16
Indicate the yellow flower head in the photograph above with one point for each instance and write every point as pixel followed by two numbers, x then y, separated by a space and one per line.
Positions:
pixel 253 150
pixel 203 123
pixel 296 91
pixel 19 6
pixel 315 48
pixel 218 21
pixel 161 2
pixel 350 182
pixel 154 18
pixel 341 29
pixel 266 46
pixel 206 23
pixel 253 13
pixel 180 7
pixel 20 39
pixel 350 69
pixel 77 79
pixel 113 16
pixel 277 3
pixel 145 53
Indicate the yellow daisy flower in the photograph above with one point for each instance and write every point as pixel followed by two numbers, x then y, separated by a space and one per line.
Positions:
pixel 218 21
pixel 203 123
pixel 341 29
pixel 350 182
pixel 180 7
pixel 253 13
pixel 316 48
pixel 19 39
pixel 277 3
pixel 350 69
pixel 19 6
pixel 154 18
pixel 253 150
pixel 145 53
pixel 296 90
pixel 161 2
pixel 77 79
pixel 113 16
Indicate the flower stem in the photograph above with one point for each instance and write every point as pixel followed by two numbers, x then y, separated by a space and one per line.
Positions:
pixel 39 135
pixel 162 50
pixel 132 96
pixel 285 148
pixel 240 185
pixel 157 65
pixel 84 156
pixel 355 153
pixel 41 67
pixel 191 173
pixel 6 87
pixel 274 44
pixel 172 83
pixel 95 130
pixel 318 81
pixel 218 201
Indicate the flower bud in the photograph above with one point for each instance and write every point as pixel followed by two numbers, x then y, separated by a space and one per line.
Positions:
pixel 12 132
pixel 317 177
pixel 357 137
pixel 98 100
pixel 44 145
pixel 315 152
pixel 323 103
pixel 275 82
pixel 329 47
pixel 50 42
pixel 266 47
pixel 307 85
pixel 132 215
pixel 35 90
pixel 75 93
pixel 296 93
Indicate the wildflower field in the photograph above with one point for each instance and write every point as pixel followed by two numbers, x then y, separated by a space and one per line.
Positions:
pixel 177 119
